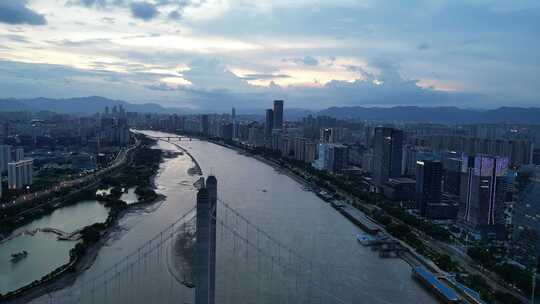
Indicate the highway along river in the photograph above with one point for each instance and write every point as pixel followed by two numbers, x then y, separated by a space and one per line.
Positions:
pixel 277 204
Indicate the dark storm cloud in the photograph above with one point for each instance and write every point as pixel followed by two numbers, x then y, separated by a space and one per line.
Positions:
pixel 17 12
pixel 143 10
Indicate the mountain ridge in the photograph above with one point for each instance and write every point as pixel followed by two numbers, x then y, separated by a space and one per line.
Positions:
pixel 443 114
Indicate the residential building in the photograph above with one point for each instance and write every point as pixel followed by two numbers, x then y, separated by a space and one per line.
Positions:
pixel 5 157
pixel 20 173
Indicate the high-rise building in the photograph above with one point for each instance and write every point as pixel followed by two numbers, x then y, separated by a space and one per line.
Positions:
pixel 227 131
pixel 310 151
pixel 387 153
pixel 5 157
pixel 337 158
pixel 519 152
pixel 269 123
pixel 334 135
pixel 256 135
pixel 525 241
pixel 278 114
pixel 452 170
pixel 20 173
pixel 234 123
pixel 19 154
pixel 482 195
pixel 277 140
pixel 320 162
pixel 428 185
pixel 205 124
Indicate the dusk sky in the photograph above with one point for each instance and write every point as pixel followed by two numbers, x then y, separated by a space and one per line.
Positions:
pixel 214 54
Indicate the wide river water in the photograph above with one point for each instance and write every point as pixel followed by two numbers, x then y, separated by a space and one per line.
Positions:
pixel 274 202
pixel 45 252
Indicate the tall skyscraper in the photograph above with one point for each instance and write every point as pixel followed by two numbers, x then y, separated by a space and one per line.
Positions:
pixel 5 157
pixel 278 114
pixel 20 173
pixel 428 185
pixel 388 150
pixel 483 193
pixel 269 123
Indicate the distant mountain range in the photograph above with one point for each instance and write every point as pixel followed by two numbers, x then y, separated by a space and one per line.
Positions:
pixel 82 105
pixel 448 115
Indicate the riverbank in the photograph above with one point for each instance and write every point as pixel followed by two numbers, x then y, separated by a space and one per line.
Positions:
pixel 197 167
pixel 143 166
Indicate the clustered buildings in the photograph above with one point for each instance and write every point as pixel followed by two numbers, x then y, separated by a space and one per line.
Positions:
pixel 32 142
pixel 480 179
pixel 466 176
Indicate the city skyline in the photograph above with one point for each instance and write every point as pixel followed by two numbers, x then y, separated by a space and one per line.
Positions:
pixel 216 54
pixel 366 151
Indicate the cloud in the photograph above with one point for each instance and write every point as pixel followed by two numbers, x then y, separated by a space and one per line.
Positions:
pixel 17 38
pixel 17 12
pixel 175 15
pixel 264 76
pixel 79 43
pixel 356 69
pixel 161 87
pixel 143 10
pixel 212 74
pixel 307 60
pixel 423 47
pixel 108 20
pixel 95 3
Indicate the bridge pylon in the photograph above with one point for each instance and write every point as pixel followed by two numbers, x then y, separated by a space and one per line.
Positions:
pixel 206 243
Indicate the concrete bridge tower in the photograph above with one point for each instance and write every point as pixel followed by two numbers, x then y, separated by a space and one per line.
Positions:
pixel 206 243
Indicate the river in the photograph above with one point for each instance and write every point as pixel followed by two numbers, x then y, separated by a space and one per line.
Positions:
pixel 45 252
pixel 272 201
